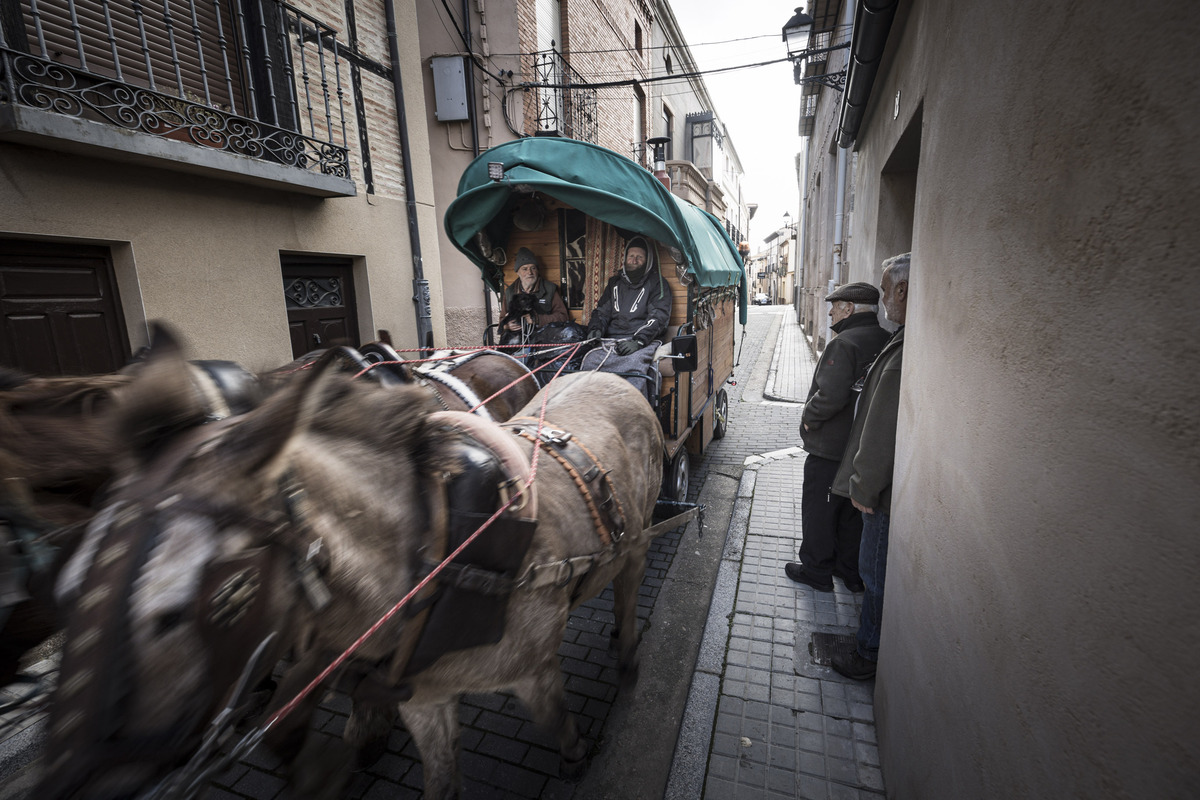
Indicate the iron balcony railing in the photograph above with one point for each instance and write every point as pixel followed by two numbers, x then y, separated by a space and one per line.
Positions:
pixel 570 110
pixel 254 77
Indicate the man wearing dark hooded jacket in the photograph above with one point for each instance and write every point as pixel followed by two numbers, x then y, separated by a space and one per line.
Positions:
pixel 636 304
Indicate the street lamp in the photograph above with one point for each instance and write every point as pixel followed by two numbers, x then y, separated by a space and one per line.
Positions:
pixel 796 34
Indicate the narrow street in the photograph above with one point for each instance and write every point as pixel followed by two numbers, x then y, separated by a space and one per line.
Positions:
pixel 728 700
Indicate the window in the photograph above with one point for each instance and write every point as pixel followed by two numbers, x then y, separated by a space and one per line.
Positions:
pixel 639 124
pixel 572 229
pixel 637 38
pixel 190 50
pixel 667 64
pixel 668 131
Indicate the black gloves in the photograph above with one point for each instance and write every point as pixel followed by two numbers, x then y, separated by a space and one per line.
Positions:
pixel 628 346
pixel 593 334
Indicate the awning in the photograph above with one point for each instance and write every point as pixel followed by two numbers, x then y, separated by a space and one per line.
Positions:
pixel 600 183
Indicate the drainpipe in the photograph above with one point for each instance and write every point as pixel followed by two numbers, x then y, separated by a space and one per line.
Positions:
pixel 420 285
pixel 802 307
pixel 471 119
pixel 838 218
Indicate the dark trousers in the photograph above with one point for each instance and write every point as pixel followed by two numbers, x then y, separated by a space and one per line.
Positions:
pixel 874 575
pixel 830 525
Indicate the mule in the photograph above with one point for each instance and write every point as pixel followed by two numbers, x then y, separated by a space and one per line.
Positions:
pixel 57 452
pixel 487 382
pixel 309 518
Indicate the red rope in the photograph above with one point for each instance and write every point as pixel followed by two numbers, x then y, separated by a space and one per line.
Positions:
pixel 337 662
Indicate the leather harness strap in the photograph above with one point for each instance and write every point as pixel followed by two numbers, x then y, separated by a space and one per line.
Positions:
pixel 585 470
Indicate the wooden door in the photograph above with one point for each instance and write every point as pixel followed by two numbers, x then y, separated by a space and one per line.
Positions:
pixel 320 303
pixel 61 314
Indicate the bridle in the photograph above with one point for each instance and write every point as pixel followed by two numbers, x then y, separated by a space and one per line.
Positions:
pixel 89 713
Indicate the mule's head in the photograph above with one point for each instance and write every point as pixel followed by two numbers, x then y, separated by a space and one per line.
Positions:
pixel 53 433
pixel 197 560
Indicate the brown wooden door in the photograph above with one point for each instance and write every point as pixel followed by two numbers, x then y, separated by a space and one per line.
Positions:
pixel 61 314
pixel 320 303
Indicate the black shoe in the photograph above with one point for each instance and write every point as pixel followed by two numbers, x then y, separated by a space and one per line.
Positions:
pixel 853 666
pixel 853 582
pixel 797 573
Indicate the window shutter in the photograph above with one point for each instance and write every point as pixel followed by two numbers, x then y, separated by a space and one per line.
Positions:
pixel 195 26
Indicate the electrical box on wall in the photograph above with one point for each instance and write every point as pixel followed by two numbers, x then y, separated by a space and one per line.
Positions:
pixel 449 88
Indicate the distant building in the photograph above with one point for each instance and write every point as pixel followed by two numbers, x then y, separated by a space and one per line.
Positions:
pixel 535 66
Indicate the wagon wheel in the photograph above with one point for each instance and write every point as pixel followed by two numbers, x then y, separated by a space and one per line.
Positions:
pixel 720 414
pixel 675 479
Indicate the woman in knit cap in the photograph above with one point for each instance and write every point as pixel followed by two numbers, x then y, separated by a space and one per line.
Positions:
pixel 539 295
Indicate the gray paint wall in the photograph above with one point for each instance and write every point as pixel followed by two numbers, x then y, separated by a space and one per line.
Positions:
pixel 1041 619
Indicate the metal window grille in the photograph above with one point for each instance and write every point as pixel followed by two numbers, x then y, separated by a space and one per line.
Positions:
pixel 562 107
pixel 255 77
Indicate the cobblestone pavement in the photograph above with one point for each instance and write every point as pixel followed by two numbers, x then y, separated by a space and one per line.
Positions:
pixel 763 718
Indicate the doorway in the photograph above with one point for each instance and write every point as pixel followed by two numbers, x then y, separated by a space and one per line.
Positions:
pixel 898 194
pixel 320 302
pixel 60 309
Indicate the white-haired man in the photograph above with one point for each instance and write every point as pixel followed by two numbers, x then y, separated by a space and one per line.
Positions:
pixel 865 475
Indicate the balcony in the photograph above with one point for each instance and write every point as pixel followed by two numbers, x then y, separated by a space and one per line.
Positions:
pixel 246 90
pixel 562 108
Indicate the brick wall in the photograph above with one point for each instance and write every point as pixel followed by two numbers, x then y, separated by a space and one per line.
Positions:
pixel 599 43
pixel 378 101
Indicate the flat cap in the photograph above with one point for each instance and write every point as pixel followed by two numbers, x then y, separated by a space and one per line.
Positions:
pixel 859 292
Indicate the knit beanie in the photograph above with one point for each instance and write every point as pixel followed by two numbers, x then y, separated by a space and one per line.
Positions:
pixel 524 256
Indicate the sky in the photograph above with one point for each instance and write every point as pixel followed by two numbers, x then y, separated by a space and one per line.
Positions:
pixel 760 107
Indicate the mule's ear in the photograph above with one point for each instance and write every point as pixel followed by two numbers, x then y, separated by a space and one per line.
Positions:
pixel 289 415
pixel 163 339
pixel 159 402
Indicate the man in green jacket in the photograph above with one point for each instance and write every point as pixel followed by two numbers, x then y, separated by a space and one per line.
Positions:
pixel 830 525
pixel 865 474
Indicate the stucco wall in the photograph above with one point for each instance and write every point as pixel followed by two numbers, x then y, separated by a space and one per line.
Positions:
pixel 1041 621
pixel 450 145
pixel 207 259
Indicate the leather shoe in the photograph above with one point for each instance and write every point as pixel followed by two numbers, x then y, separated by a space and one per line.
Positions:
pixel 797 573
pixel 853 582
pixel 853 665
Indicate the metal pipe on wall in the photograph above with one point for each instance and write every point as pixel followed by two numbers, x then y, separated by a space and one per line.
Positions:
pixel 472 120
pixel 420 284
pixel 838 220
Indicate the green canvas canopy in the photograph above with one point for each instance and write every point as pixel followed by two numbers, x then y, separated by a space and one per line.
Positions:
pixel 600 183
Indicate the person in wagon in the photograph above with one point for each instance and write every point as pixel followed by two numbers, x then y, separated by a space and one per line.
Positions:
pixel 530 291
pixel 635 306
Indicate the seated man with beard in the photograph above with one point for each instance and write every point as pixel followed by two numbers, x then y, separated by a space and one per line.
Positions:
pixel 530 299
pixel 631 315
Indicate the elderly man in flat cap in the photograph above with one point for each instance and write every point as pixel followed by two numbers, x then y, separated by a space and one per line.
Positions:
pixel 830 525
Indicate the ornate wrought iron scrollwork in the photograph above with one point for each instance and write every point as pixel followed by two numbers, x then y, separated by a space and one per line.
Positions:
pixel 71 92
pixel 313 292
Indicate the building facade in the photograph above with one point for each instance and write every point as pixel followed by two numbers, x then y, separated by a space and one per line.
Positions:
pixel 556 67
pixel 1039 626
pixel 240 173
